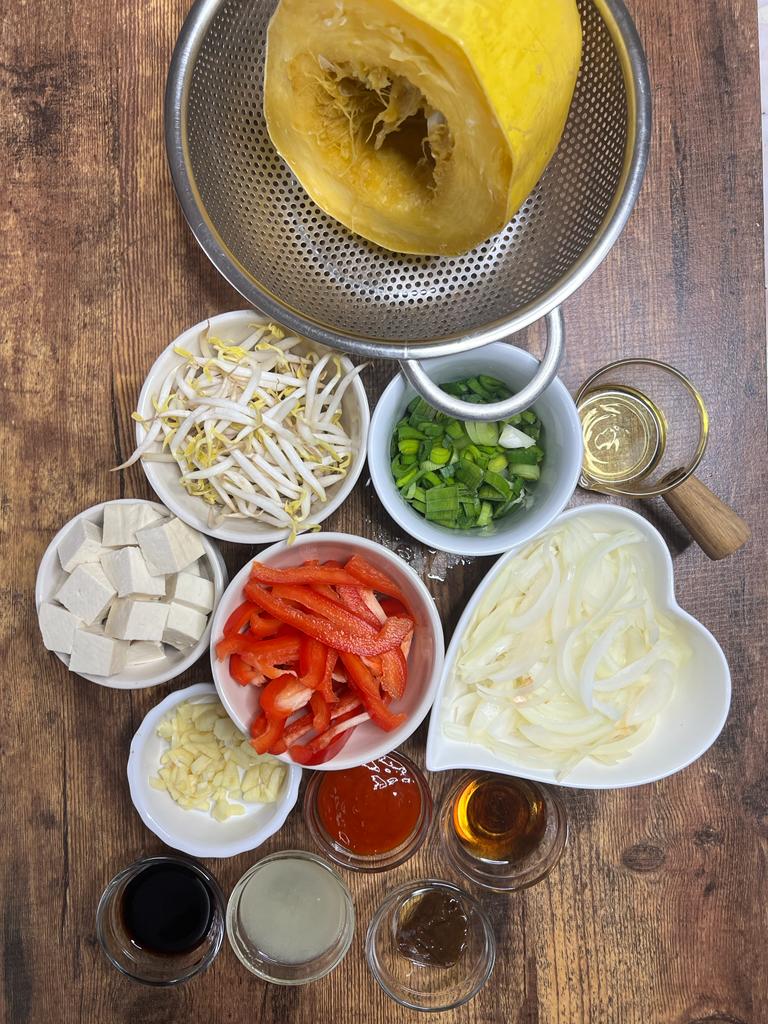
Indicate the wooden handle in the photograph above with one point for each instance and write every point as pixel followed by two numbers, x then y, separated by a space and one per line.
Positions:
pixel 715 527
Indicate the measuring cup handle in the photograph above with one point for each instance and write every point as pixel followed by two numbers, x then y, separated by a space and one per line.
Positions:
pixel 715 527
pixel 416 375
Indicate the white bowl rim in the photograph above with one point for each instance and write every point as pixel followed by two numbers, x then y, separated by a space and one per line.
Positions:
pixel 390 740
pixel 264 534
pixel 136 783
pixel 465 542
pixel 123 680
pixel 436 741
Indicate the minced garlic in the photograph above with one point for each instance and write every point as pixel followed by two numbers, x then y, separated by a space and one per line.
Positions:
pixel 209 763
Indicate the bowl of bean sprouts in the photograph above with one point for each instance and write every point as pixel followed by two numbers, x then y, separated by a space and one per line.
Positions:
pixel 248 433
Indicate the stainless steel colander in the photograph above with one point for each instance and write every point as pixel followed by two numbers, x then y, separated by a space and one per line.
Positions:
pixel 289 259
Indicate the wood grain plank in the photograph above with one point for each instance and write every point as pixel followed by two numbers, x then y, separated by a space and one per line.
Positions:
pixel 656 913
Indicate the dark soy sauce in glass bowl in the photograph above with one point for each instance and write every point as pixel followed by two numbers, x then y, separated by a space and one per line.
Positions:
pixel 160 921
pixel 167 909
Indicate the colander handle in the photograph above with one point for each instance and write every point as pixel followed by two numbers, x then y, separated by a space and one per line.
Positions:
pixel 419 379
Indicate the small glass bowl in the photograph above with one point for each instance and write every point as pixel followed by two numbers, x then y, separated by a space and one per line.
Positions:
pixel 431 989
pixel 669 421
pixel 392 765
pixel 140 964
pixel 283 972
pixel 508 875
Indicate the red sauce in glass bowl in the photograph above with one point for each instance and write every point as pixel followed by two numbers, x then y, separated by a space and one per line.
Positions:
pixel 371 809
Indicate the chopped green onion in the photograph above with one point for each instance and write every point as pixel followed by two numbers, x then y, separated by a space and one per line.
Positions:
pixel 498 483
pixel 408 447
pixel 408 478
pixel 463 475
pixel 470 474
pixel 440 455
pixel 526 472
pixel 486 514
pixel 482 433
pixel 407 432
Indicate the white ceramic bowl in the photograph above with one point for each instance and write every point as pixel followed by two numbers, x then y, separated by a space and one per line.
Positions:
pixel 164 476
pixel 425 661
pixel 559 471
pixel 50 576
pixel 687 726
pixel 196 832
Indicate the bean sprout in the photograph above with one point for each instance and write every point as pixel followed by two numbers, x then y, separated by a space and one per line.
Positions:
pixel 256 429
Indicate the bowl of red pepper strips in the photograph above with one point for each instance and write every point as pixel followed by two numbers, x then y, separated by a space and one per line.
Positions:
pixel 328 651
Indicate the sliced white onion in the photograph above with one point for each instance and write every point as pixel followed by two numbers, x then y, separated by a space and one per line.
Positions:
pixel 567 656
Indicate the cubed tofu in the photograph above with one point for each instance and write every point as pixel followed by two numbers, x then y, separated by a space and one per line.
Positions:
pixel 170 547
pixel 58 627
pixel 132 619
pixel 144 652
pixel 97 654
pixel 122 521
pixel 184 626
pixel 127 571
pixel 196 591
pixel 82 544
pixel 87 593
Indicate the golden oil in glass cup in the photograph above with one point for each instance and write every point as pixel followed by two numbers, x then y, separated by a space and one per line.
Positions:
pixel 502 833
pixel 645 428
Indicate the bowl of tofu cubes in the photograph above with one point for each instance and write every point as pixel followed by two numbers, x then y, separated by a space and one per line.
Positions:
pixel 125 594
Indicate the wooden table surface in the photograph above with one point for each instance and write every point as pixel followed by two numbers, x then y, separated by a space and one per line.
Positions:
pixel 657 911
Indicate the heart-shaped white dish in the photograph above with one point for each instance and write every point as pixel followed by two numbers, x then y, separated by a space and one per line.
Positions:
pixel 686 727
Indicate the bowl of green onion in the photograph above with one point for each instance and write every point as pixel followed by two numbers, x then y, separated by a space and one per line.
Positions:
pixel 474 487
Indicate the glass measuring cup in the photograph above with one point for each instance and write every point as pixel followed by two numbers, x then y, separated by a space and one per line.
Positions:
pixel 645 428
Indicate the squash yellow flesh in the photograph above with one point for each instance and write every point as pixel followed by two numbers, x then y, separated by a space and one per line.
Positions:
pixel 420 124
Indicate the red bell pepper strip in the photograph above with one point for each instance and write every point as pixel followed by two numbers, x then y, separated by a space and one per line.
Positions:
pixel 301 574
pixel 391 635
pixel 261 654
pixel 297 728
pixel 321 713
pixel 372 577
pixel 313 663
pixel 392 607
pixel 239 618
pixel 326 590
pixel 345 707
pixel 333 610
pixel 348 701
pixel 261 625
pixel 352 599
pixel 241 671
pixel 394 673
pixel 362 679
pixel 304 754
pixel 326 685
pixel 266 733
pixel 283 696
pixel 330 751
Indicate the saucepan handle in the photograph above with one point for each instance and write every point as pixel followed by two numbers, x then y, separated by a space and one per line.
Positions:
pixel 419 379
